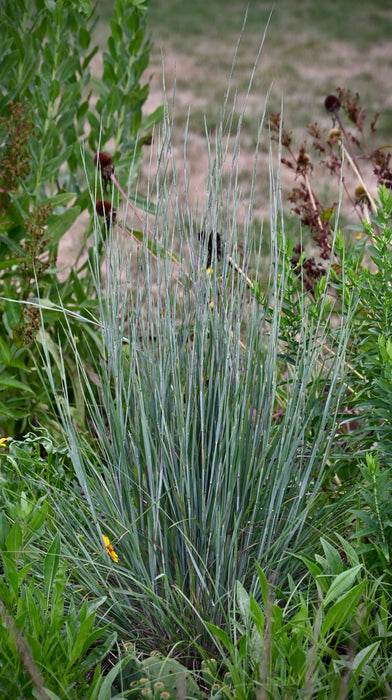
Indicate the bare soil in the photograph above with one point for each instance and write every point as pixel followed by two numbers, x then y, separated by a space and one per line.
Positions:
pixel 299 72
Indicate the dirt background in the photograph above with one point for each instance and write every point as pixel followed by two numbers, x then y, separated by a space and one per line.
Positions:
pixel 297 72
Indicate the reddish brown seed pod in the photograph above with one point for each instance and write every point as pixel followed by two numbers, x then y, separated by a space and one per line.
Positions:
pixel 104 162
pixel 332 104
pixel 104 208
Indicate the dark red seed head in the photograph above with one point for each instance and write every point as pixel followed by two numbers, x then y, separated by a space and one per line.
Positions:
pixel 104 162
pixel 104 208
pixel 332 104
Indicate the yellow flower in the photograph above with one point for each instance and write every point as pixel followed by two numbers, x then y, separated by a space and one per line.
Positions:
pixel 3 441
pixel 109 548
pixel 358 236
pixel 209 271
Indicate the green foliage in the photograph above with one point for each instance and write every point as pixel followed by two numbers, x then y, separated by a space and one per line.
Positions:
pixel 335 644
pixel 358 280
pixel 363 281
pixel 46 118
pixel 374 522
pixel 52 645
pixel 121 95
pixel 370 351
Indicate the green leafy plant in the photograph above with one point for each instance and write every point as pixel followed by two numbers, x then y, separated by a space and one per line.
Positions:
pixel 47 117
pixel 335 644
pixel 51 645
pixel 358 277
pixel 374 523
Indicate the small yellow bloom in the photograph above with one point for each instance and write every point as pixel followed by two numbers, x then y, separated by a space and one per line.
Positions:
pixel 109 548
pixel 358 235
pixel 3 441
pixel 209 271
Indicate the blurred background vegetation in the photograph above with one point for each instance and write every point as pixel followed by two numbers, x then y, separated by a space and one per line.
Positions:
pixel 310 49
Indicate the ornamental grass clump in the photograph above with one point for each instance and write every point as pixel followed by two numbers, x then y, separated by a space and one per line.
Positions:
pixel 208 449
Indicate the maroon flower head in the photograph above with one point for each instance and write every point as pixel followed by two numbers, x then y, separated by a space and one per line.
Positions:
pixel 104 162
pixel 104 208
pixel 332 104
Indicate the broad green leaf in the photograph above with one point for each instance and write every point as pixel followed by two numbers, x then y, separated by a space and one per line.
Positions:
pixel 84 38
pixel 341 583
pixel 9 263
pixel 364 656
pixel 14 540
pixel 332 556
pixel 116 30
pixel 7 381
pixel 38 518
pixel 112 47
pixel 13 413
pixel 154 118
pixel 263 586
pixel 298 660
pixel 257 615
pixel 243 602
pixel 59 200
pixel 53 165
pixel 51 564
pixel 54 90
pixel 314 569
pixel 5 352
pixel 343 609
pixel 349 550
pixel 11 575
pixel 81 637
pixel 220 634
pixel 5 528
pixel 105 692
pixel 60 224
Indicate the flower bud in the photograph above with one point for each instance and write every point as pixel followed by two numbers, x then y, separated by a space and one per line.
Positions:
pixel 362 197
pixel 104 162
pixel 104 208
pixel 303 160
pixel 332 104
pixel 334 135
